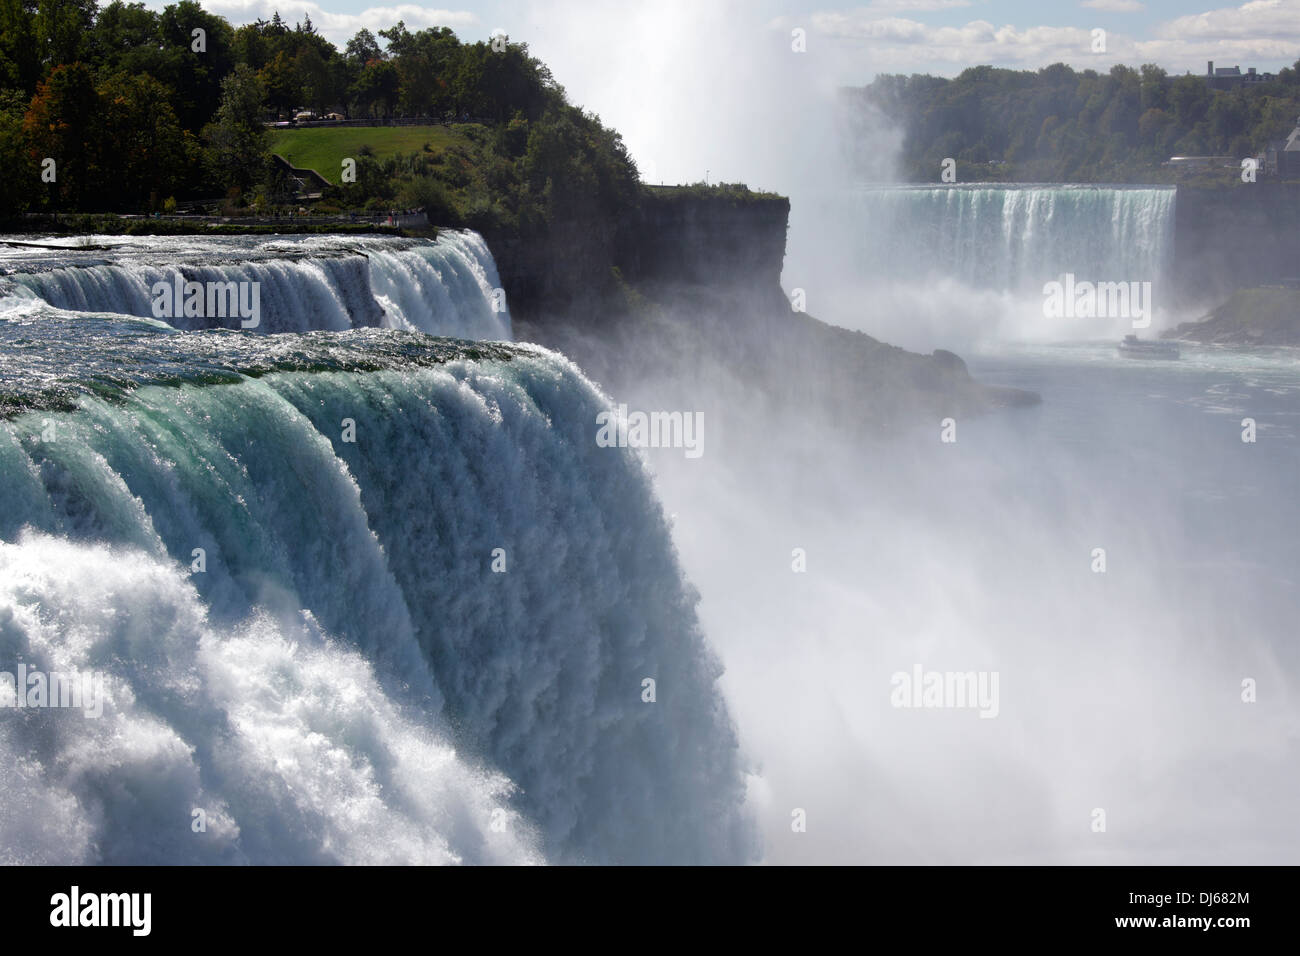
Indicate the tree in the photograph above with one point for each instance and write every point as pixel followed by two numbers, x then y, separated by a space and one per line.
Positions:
pixel 19 63
pixel 1153 128
pixel 1155 88
pixel 315 79
pixel 236 136
pixel 16 187
pixel 401 42
pixel 62 28
pixel 148 152
pixel 251 44
pixel 62 125
pixel 1227 119
pixel 195 75
pixel 281 84
pixel 122 27
pixel 376 89
pixel 277 187
pixel 1190 98
pixel 363 48
pixel 425 63
pixel 1060 124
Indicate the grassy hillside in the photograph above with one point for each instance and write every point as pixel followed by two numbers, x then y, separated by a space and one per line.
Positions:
pixel 324 148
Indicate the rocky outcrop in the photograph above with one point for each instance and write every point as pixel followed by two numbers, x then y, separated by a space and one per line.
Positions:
pixel 1230 238
pixel 569 273
pixel 695 317
pixel 719 240
pixel 583 266
pixel 1260 316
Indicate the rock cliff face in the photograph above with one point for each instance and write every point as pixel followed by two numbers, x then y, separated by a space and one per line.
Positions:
pixel 567 274
pixel 1225 239
pixel 673 236
pixel 681 307
pixel 1263 316
pixel 711 241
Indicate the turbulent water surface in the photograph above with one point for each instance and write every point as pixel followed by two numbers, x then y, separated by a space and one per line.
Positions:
pixel 962 266
pixel 1005 237
pixel 356 596
pixel 444 287
pixel 363 594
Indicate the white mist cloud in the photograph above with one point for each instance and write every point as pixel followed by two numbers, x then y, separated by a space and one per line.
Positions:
pixel 695 89
pixel 718 90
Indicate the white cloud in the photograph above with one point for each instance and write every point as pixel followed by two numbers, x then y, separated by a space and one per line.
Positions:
pixel 895 43
pixel 898 6
pixel 1261 33
pixel 1264 34
pixel 1114 6
pixel 1258 20
pixel 338 28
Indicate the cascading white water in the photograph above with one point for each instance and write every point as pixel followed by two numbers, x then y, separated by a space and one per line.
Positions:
pixel 963 266
pixel 265 742
pixel 428 605
pixel 1015 237
pixel 448 286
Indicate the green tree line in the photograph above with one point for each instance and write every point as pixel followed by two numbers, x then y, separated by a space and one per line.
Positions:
pixel 1057 124
pixel 139 108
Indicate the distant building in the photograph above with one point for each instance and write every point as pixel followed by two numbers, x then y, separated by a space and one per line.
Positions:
pixel 1231 77
pixel 1282 157
pixel 307 183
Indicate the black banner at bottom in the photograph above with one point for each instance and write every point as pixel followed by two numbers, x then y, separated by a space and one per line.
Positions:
pixel 302 905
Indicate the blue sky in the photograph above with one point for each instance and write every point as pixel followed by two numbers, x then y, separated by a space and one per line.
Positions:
pixel 940 36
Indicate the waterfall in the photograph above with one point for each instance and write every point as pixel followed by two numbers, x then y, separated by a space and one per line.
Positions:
pixel 360 597
pixel 1014 237
pixel 448 286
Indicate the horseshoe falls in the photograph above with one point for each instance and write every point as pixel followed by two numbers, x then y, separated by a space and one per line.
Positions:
pixel 444 286
pixel 961 266
pixel 1012 237
pixel 356 596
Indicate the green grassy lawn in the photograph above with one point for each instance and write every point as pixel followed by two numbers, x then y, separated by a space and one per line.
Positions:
pixel 324 148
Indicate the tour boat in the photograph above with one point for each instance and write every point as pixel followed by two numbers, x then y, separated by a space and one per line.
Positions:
pixel 1134 347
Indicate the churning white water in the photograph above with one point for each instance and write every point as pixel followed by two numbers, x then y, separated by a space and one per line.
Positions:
pixel 829 562
pixel 1013 237
pixel 354 596
pixel 367 595
pixel 448 286
pixel 963 266
pixel 348 671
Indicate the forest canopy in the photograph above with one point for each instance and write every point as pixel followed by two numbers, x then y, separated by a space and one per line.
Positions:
pixel 1061 125
pixel 121 108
